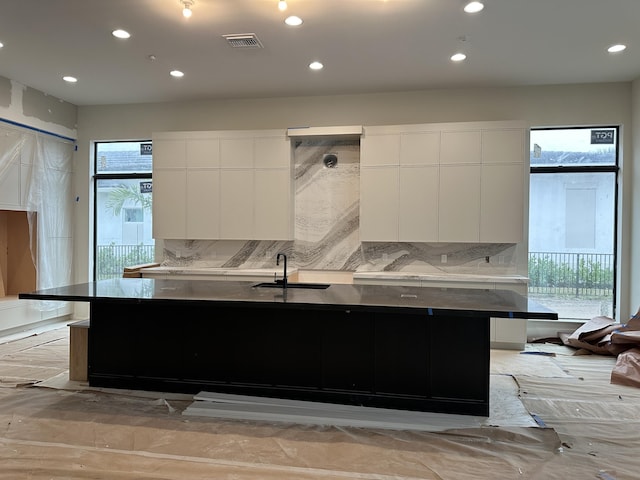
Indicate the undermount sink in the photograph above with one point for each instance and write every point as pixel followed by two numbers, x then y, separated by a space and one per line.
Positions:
pixel 320 286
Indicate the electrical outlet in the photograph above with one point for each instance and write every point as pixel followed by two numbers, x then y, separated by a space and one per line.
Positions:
pixel 443 259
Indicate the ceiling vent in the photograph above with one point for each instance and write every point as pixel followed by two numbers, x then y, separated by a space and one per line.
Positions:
pixel 243 40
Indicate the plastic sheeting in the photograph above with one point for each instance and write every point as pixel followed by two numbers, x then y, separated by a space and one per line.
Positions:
pixel 45 166
pixel 587 428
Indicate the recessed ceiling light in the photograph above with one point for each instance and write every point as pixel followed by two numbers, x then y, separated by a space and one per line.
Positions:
pixel 176 73
pixel 616 48
pixel 458 57
pixel 120 33
pixel 293 21
pixel 474 7
pixel 316 66
pixel 1 45
pixel 70 79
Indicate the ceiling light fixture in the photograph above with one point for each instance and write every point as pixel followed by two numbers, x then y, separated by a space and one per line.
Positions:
pixel 186 8
pixel 282 5
pixel 176 73
pixel 474 7
pixel 316 65
pixel 616 48
pixel 293 21
pixel 458 57
pixel 69 79
pixel 120 33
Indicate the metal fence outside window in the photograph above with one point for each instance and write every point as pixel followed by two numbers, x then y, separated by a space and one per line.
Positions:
pixel 576 274
pixel 111 259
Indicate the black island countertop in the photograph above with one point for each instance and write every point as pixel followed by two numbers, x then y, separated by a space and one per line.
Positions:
pixel 433 300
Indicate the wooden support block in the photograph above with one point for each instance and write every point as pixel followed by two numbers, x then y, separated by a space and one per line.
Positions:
pixel 135 270
pixel 78 350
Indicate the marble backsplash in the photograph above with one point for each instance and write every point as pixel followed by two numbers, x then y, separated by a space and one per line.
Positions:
pixel 326 235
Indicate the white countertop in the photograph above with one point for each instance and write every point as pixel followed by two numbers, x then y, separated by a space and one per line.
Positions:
pixel 440 277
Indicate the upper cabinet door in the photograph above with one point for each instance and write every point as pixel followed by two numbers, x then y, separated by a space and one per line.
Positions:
pixel 236 152
pixel 236 204
pixel 272 152
pixel 503 146
pixel 379 150
pixel 272 199
pixel 502 216
pixel 460 147
pixel 169 152
pixel 203 203
pixel 418 204
pixel 203 153
pixel 379 204
pixel 169 203
pixel 420 148
pixel 459 203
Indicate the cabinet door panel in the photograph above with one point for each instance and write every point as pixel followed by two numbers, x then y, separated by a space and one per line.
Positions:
pixel 169 204
pixel 420 148
pixel 169 153
pixel 401 355
pixel 236 204
pixel 460 147
pixel 379 204
pixel 273 205
pixel 348 365
pixel 503 146
pixel 418 209
pixel 460 373
pixel 203 153
pixel 236 152
pixel 380 150
pixel 203 204
pixel 459 203
pixel 502 203
pixel 272 152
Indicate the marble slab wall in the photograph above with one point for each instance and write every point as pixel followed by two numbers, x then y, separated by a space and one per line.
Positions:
pixel 326 231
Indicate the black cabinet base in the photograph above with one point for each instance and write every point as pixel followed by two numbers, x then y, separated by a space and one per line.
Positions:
pixel 397 359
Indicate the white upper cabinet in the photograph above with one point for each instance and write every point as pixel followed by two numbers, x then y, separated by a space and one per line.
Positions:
pixel 458 182
pixel 222 185
pixel 379 201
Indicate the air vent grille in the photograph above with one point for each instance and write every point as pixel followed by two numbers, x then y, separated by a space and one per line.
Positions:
pixel 243 40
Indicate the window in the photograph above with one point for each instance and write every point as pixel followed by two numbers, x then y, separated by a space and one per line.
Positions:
pixel 122 207
pixel 572 220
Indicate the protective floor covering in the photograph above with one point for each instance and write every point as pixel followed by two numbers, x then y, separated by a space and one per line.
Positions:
pixel 54 429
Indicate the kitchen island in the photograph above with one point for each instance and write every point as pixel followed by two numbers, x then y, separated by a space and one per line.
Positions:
pixel 413 348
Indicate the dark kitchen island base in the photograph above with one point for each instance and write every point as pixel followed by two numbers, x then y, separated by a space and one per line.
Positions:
pixel 410 348
pixel 395 359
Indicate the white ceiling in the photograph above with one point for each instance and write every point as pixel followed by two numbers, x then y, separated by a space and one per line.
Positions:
pixel 366 46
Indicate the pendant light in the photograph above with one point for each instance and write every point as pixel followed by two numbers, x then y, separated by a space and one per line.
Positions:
pixel 186 8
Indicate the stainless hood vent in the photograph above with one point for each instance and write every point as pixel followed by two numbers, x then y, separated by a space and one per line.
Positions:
pixel 243 40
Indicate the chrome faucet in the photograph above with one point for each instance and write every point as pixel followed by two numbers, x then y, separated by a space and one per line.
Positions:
pixel 284 278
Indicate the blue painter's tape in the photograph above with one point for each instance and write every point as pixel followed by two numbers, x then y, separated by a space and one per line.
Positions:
pixel 510 314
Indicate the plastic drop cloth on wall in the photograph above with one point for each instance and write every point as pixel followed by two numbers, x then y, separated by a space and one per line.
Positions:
pixel 42 164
